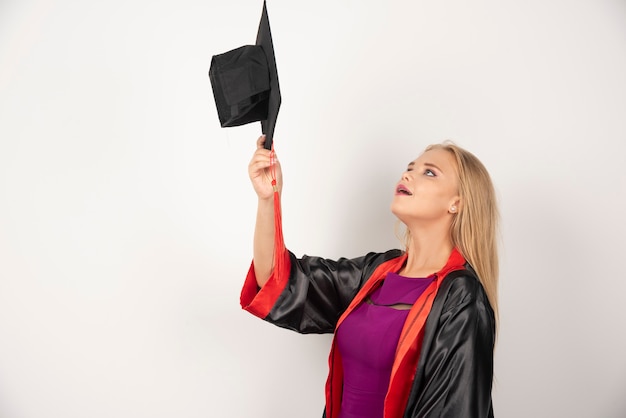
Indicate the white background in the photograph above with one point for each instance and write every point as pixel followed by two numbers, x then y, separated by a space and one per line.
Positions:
pixel 126 214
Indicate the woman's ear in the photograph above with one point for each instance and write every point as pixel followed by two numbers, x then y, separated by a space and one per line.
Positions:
pixel 455 206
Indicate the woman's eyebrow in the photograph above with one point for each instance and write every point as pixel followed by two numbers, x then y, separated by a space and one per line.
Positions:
pixel 434 166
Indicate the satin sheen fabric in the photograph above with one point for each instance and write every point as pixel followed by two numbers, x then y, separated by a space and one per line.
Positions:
pixel 367 340
pixel 455 368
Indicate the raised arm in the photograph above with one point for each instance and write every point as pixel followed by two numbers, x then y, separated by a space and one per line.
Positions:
pixel 259 171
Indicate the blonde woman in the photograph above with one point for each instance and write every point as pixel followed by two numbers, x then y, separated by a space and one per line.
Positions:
pixel 414 329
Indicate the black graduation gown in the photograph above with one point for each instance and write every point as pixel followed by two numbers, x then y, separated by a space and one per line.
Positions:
pixel 455 368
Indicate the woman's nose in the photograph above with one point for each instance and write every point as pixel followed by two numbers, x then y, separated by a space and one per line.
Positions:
pixel 405 176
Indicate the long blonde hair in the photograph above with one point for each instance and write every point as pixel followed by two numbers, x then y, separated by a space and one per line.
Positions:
pixel 474 229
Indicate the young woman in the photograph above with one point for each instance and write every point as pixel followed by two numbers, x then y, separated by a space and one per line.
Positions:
pixel 414 329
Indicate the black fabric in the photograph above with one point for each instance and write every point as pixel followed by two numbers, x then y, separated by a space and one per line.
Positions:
pixel 320 290
pixel 455 370
pixel 241 85
pixel 264 38
pixel 245 83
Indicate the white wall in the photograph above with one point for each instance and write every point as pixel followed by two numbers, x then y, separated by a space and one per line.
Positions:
pixel 126 215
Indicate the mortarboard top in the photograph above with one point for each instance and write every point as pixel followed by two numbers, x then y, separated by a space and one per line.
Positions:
pixel 245 83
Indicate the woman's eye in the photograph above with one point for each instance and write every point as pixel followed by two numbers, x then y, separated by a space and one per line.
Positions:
pixel 429 172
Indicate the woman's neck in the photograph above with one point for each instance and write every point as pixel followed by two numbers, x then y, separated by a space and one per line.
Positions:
pixel 427 253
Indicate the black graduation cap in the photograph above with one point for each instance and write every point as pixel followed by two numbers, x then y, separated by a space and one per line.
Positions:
pixel 245 83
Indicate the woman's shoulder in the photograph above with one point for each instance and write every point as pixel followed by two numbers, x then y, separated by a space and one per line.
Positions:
pixel 377 256
pixel 385 256
pixel 463 287
pixel 362 267
pixel 369 259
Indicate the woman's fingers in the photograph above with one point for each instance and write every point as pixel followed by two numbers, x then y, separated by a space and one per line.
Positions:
pixel 258 168
pixel 260 160
pixel 262 167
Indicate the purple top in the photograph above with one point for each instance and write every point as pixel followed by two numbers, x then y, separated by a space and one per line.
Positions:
pixel 367 340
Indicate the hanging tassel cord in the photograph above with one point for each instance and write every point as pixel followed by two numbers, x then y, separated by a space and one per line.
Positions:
pixel 279 243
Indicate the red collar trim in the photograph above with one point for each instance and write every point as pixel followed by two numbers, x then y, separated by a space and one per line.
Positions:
pixel 409 346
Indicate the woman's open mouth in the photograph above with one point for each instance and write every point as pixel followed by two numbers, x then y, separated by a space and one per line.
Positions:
pixel 403 190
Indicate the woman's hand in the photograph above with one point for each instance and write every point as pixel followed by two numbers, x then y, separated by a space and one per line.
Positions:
pixel 260 170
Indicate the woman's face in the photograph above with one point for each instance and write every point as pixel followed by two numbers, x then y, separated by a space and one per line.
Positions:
pixel 428 189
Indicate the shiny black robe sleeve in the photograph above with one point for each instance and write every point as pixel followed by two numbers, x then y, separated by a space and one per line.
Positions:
pixel 455 370
pixel 319 290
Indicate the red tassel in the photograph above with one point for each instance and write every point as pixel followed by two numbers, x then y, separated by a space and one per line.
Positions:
pixel 279 243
